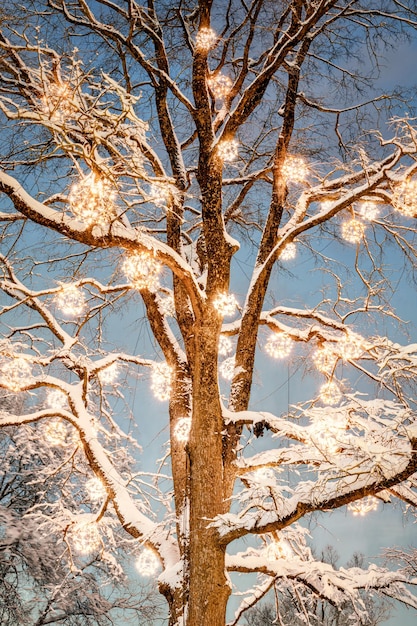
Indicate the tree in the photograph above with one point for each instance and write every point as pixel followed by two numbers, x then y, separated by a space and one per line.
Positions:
pixel 148 153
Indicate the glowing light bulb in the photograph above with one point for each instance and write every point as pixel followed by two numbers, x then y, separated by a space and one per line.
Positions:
pixel 225 304
pixel 143 270
pixel 220 85
pixel 278 550
pixel 368 211
pixel 86 538
pixel 363 506
pixel 58 101
pixel 109 374
pixel 160 193
pixel 70 300
pixel 295 169
pixel 404 198
pixel 92 200
pixel 225 345
pixel 15 373
pixel 351 346
pixel 228 150
pixel 330 393
pixel 56 432
pixel 227 368
pixel 161 381
pixel 353 231
pixel 56 399
pixel 325 359
pixel 327 436
pixel 289 252
pixel 206 39
pixel 279 345
pixel 182 429
pixel 148 563
pixel 95 489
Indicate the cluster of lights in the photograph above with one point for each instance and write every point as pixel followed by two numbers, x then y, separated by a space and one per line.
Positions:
pixel 15 373
pixel 227 368
pixel 278 550
pixel 57 102
pixel 147 564
pixel 108 375
pixel 86 538
pixel 328 437
pixel 363 506
pixel 330 393
pixel 325 359
pixel 161 381
pixel 70 300
pixel 353 231
pixel 228 150
pixel 225 345
pixel 160 193
pixel 56 432
pixel 279 345
pixel 295 169
pixel 225 304
pixel 143 270
pixel 95 489
pixel 368 211
pixel 220 85
pixel 206 39
pixel 56 399
pixel 351 347
pixel 182 429
pixel 92 200
pixel 289 252
pixel 405 198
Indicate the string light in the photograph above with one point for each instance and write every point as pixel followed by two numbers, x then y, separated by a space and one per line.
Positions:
pixel 368 211
pixel 330 393
pixel 225 345
pixel 279 345
pixel 92 200
pixel 363 506
pixel 324 359
pixel 160 193
pixel 289 252
pixel 228 150
pixel 182 429
pixel 404 198
pixel 161 381
pixel 225 304
pixel 109 374
pixel 95 489
pixel 70 300
pixel 327 436
pixel 15 373
pixel 295 169
pixel 56 399
pixel 353 231
pixel 278 550
pixel 227 368
pixel 147 564
pixel 143 270
pixel 56 432
pixel 220 85
pixel 351 346
pixel 57 102
pixel 206 39
pixel 86 538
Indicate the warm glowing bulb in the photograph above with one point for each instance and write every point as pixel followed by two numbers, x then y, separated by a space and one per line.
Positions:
pixel 325 359
pixel 95 489
pixel 289 252
pixel 143 270
pixel 70 300
pixel 56 399
pixel 182 429
pixel 279 345
pixel 160 193
pixel 225 345
pixel 404 198
pixel 56 432
pixel 206 39
pixel 220 85
pixel 363 506
pixel 368 211
pixel 161 381
pixel 351 346
pixel 278 550
pixel 92 200
pixel 15 373
pixel 227 150
pixel 353 231
pixel 227 368
pixel 147 564
pixel 327 436
pixel 330 393
pixel 225 304
pixel 108 375
pixel 295 169
pixel 86 538
pixel 57 102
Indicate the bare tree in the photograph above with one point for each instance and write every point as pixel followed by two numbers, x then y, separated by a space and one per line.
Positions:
pixel 148 153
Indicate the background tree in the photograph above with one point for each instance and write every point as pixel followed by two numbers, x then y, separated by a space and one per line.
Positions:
pixel 142 146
